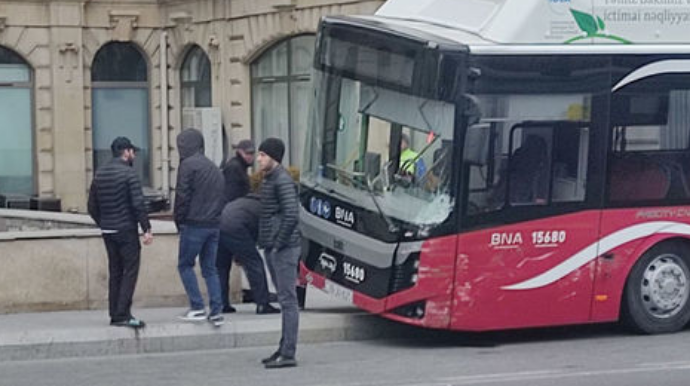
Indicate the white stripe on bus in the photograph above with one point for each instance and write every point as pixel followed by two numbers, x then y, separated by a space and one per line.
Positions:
pixel 604 245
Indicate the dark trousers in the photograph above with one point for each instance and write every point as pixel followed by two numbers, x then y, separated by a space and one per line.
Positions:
pixel 124 252
pixel 240 244
pixel 283 266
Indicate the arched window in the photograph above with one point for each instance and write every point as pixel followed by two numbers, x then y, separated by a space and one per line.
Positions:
pixel 16 138
pixel 281 89
pixel 121 103
pixel 196 79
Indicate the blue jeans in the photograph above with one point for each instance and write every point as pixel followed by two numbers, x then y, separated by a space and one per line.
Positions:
pixel 241 245
pixel 202 242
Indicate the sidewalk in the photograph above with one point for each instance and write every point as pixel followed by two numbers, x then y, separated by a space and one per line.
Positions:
pixel 87 333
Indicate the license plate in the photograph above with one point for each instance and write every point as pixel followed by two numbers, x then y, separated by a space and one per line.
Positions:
pixel 338 291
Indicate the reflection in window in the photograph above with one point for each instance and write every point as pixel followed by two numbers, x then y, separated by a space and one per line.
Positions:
pixel 196 79
pixel 16 140
pixel 281 93
pixel 650 140
pixel 120 98
pixel 119 62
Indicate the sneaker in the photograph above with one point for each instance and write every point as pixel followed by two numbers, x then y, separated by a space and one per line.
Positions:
pixel 229 310
pixel 217 320
pixel 263 309
pixel 131 323
pixel 281 362
pixel 194 316
pixel 272 358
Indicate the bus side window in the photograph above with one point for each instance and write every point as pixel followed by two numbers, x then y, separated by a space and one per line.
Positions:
pixel 650 152
pixel 529 171
pixel 550 160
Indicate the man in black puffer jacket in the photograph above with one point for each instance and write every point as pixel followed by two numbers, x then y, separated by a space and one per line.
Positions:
pixel 280 238
pixel 116 204
pixel 198 204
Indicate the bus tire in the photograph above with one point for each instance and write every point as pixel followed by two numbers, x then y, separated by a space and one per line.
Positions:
pixel 656 294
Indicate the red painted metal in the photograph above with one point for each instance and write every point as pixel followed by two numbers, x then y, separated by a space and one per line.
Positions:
pixel 467 280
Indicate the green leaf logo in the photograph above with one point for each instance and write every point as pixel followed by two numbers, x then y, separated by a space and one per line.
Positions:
pixel 586 22
pixel 593 27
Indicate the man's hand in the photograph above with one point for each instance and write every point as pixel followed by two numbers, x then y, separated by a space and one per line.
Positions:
pixel 148 238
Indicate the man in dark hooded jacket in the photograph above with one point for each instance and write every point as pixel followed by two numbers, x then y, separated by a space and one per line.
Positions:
pixel 198 204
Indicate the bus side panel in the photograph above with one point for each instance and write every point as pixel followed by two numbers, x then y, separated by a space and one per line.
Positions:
pixel 526 274
pixel 631 233
pixel 434 284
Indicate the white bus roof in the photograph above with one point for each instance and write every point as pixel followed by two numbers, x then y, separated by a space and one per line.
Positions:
pixel 545 22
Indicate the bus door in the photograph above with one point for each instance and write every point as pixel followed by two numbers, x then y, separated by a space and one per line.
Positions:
pixel 521 259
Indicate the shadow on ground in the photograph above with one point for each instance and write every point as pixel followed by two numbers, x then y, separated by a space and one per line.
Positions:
pixel 408 336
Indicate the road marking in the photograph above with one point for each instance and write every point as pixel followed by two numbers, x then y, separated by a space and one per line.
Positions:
pixel 522 376
pixel 525 376
pixel 665 364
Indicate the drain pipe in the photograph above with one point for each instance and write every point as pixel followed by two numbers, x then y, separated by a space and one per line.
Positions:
pixel 165 134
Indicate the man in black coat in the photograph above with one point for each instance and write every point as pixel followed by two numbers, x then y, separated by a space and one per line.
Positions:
pixel 239 228
pixel 235 171
pixel 116 204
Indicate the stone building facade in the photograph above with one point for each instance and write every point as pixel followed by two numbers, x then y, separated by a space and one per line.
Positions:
pixel 74 74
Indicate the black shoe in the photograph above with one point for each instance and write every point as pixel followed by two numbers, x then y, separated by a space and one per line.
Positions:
pixel 131 323
pixel 273 357
pixel 263 309
pixel 281 362
pixel 301 297
pixel 229 310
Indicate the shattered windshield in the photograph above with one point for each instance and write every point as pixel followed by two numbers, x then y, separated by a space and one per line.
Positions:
pixel 386 151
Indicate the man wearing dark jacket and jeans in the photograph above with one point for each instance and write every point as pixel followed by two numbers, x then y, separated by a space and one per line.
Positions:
pixel 116 204
pixel 280 238
pixel 198 203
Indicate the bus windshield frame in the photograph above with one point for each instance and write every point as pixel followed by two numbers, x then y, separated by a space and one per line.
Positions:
pixel 378 138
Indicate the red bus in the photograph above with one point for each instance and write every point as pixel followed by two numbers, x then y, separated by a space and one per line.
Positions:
pixel 455 183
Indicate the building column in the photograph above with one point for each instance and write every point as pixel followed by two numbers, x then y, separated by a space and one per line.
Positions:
pixel 68 98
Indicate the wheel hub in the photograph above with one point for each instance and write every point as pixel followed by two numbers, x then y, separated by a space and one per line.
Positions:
pixel 665 286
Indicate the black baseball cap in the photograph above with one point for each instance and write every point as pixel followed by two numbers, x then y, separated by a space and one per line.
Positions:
pixel 246 145
pixel 120 144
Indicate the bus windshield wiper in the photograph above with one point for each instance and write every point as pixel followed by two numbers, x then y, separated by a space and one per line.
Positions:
pixel 352 176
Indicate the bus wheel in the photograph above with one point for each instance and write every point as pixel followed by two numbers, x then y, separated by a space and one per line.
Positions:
pixel 657 291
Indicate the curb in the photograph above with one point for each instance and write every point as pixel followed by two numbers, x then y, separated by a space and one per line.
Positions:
pixel 177 337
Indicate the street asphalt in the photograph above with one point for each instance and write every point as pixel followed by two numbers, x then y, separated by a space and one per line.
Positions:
pixel 602 355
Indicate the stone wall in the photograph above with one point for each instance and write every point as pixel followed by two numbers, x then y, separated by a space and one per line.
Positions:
pixel 72 274
pixel 66 268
